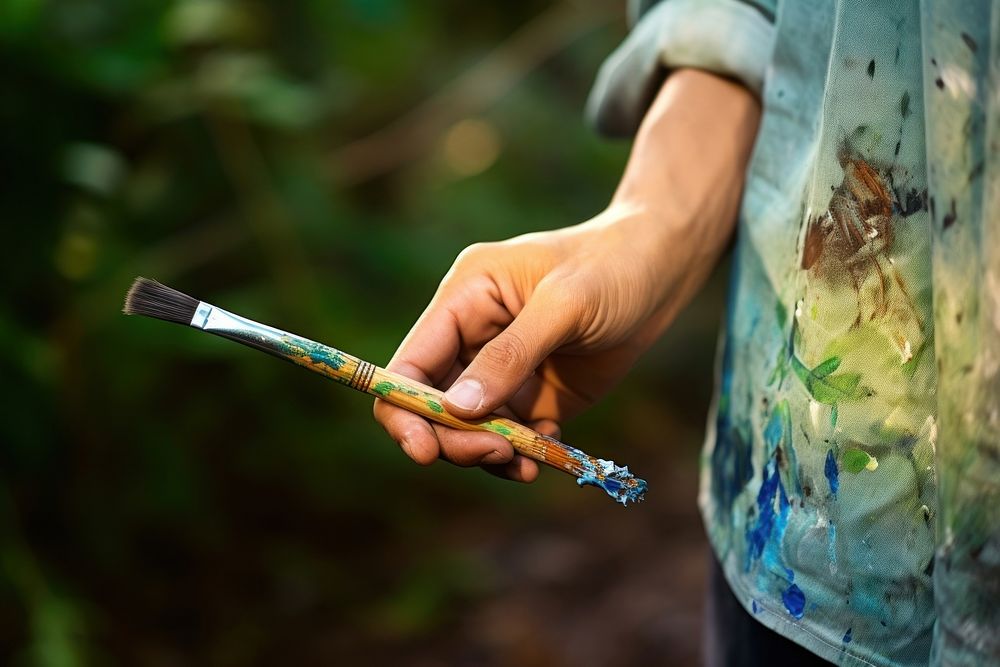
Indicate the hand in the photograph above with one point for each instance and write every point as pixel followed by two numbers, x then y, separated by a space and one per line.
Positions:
pixel 538 327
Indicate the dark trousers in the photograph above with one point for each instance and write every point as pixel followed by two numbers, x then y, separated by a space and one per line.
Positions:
pixel 733 638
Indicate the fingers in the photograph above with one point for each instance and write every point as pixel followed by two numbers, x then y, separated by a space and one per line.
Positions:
pixel 472 448
pixel 425 442
pixel 508 360
pixel 430 348
pixel 521 468
pixel 461 313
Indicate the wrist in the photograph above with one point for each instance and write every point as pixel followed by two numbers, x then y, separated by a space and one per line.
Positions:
pixel 687 166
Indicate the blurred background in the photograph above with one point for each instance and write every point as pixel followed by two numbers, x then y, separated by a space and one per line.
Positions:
pixel 168 498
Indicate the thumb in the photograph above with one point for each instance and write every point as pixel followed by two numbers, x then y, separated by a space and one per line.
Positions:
pixel 507 361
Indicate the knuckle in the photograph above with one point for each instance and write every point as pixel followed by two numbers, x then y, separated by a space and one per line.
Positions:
pixel 507 351
pixel 473 254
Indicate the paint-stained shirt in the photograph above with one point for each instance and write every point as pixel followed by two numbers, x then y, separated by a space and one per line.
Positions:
pixel 851 476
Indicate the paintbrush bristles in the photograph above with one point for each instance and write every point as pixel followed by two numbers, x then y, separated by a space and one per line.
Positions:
pixel 152 299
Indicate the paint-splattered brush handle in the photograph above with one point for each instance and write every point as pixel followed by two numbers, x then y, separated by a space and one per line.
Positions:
pixel 416 397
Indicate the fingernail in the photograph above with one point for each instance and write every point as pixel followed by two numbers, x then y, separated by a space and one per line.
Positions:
pixel 467 394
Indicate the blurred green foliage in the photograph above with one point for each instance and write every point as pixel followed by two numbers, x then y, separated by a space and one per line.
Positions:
pixel 167 497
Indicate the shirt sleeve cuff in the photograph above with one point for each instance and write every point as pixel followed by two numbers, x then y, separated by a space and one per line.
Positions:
pixel 727 37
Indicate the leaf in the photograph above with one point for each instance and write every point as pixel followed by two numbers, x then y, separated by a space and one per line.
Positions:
pixel 855 460
pixel 830 388
pixel 827 367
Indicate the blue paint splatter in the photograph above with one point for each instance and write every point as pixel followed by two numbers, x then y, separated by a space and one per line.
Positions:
pixel 616 480
pixel 732 468
pixel 831 472
pixel 832 543
pixel 317 352
pixel 847 636
pixel 795 601
pixel 765 532
pixel 774 432
pixel 760 532
pixel 753 605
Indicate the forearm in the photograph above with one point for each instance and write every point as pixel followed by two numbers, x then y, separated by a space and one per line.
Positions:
pixel 552 320
pixel 689 158
pixel 678 199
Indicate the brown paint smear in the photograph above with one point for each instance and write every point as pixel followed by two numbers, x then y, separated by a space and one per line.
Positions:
pixel 852 239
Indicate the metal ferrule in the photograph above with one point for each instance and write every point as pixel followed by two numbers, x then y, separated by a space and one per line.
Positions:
pixel 240 329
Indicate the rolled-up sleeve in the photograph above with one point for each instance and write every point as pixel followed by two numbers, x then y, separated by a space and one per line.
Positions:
pixel 732 38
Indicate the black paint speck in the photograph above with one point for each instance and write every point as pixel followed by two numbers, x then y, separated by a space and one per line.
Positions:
pixel 939 83
pixel 871 69
pixel 896 152
pixel 912 202
pixel 950 217
pixel 897 56
pixel 931 204
pixel 904 104
pixel 969 42
pixel 958 317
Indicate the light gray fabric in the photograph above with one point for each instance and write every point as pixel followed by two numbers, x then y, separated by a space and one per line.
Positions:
pixel 727 37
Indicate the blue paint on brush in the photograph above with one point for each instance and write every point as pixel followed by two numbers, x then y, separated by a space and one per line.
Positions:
pixel 847 636
pixel 795 601
pixel 831 472
pixel 616 480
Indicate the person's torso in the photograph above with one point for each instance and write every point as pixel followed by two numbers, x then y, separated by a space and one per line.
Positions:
pixel 819 483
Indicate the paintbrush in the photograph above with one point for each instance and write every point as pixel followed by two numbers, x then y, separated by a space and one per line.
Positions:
pixel 152 299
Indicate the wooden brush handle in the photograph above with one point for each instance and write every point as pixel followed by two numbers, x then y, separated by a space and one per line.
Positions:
pixel 428 402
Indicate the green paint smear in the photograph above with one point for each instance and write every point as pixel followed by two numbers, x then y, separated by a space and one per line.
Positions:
pixel 781 313
pixel 854 460
pixel 827 367
pixel 496 428
pixel 824 385
pixel 435 406
pixel 383 388
pixel 910 367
